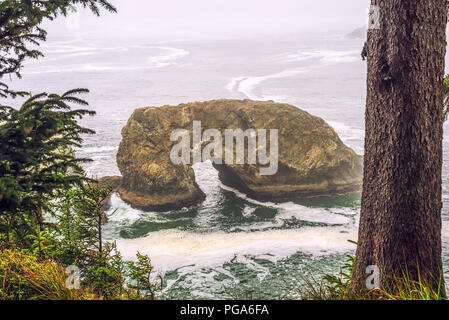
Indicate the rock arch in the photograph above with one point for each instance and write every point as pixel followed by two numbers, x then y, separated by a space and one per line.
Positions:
pixel 312 158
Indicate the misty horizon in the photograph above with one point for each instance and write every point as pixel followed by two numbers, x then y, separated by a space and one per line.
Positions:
pixel 212 19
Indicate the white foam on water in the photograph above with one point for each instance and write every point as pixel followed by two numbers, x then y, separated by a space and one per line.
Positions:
pixel 227 273
pixel 172 55
pixel 233 83
pixel 262 272
pixel 120 211
pixel 326 56
pixel 72 51
pixel 290 210
pixel 248 211
pixel 246 85
pixel 174 249
pixel 99 149
pixel 58 51
pixel 123 213
pixel 169 57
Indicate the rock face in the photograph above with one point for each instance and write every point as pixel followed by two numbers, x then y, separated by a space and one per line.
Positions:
pixel 359 33
pixel 111 181
pixel 312 159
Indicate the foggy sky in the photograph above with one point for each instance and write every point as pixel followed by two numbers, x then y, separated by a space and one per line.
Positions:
pixel 218 17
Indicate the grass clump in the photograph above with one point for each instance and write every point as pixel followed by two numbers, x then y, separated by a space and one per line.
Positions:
pixel 331 286
pixel 337 287
pixel 25 277
pixel 403 288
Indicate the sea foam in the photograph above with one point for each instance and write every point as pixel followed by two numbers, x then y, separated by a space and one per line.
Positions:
pixel 171 249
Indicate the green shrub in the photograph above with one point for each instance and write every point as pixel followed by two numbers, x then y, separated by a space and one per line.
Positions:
pixel 142 285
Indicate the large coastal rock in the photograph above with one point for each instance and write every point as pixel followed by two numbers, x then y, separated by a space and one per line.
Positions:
pixel 312 158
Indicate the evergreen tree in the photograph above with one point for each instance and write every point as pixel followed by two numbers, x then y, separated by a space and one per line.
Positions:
pixel 79 227
pixel 40 173
pixel 37 139
pixel 20 31
pixel 142 284
pixel 37 158
pixel 400 220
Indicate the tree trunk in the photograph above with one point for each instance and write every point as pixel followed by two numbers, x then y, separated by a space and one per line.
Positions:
pixel 100 236
pixel 400 220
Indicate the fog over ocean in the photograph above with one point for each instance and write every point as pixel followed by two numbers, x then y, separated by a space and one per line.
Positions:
pixel 296 52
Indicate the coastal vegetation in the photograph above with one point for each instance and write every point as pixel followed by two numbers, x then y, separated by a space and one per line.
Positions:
pixel 51 214
pixel 50 211
pixel 400 287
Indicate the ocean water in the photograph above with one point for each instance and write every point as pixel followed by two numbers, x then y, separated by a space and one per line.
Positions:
pixel 229 246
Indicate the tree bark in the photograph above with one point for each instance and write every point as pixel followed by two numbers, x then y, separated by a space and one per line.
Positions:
pixel 400 220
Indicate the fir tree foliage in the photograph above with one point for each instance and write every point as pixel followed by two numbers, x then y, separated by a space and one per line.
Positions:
pixel 143 284
pixel 21 32
pixel 37 158
pixel 37 139
pixel 50 212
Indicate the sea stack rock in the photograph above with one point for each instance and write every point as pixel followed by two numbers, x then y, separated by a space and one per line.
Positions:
pixel 312 160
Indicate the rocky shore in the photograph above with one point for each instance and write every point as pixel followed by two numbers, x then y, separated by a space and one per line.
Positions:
pixel 312 160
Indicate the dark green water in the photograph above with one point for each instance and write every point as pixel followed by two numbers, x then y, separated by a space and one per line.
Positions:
pixel 235 247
